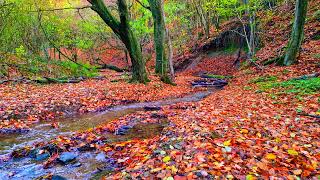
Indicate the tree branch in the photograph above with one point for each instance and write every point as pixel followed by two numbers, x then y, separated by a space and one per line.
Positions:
pixel 61 9
pixel 309 115
pixel 237 33
pixel 4 5
pixel 106 15
pixel 143 5
pixel 52 43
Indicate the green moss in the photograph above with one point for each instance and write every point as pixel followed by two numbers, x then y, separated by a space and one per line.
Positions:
pixel 218 76
pixel 263 79
pixel 316 15
pixel 299 87
pixel 317 56
pixel 248 72
pixel 285 72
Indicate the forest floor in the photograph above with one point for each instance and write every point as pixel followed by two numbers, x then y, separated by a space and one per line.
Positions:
pixel 259 126
pixel 22 105
pixel 244 131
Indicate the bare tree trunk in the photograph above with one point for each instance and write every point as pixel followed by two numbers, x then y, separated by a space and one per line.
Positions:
pixel 170 51
pixel 205 21
pixel 170 59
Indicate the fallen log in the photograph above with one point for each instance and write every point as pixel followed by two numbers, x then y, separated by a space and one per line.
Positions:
pixel 210 83
pixel 14 131
pixel 152 108
pixel 308 76
pixel 309 115
pixel 4 81
pixel 112 67
pixel 49 80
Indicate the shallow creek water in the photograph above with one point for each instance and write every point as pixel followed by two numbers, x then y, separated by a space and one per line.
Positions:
pixel 88 162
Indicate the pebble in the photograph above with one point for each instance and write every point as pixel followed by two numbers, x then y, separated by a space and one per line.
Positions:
pixel 101 157
pixel 67 157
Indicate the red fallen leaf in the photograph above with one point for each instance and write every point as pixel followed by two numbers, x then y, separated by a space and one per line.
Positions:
pixel 55 125
pixel 199 157
pixel 50 160
pixel 180 177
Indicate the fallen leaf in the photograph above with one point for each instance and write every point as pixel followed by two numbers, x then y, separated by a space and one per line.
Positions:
pixel 297 171
pixel 293 152
pixel 271 156
pixel 166 159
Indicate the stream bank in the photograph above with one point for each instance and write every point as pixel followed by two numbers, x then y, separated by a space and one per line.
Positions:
pixel 87 163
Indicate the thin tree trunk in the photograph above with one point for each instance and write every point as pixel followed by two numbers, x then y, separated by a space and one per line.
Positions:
pixel 170 50
pixel 159 35
pixel 297 32
pixel 205 22
pixel 156 7
pixel 170 59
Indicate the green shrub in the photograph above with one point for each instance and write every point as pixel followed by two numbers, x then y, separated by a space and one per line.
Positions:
pixel 35 67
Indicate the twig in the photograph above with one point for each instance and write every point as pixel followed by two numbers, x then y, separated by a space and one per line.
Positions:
pixel 61 9
pixel 237 33
pixel 309 115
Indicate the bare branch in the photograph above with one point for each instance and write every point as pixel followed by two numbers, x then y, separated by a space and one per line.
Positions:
pixel 143 5
pixel 237 33
pixel 61 9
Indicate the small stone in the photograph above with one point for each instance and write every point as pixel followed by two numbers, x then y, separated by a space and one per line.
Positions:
pixel 163 152
pixel 204 173
pixel 123 130
pixel 67 157
pixel 125 127
pixel 57 177
pixel 177 146
pixel 228 149
pixel 152 108
pixel 42 157
pixel 101 157
pixel 77 164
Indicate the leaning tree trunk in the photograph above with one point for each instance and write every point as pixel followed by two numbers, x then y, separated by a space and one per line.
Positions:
pixel 156 7
pixel 123 29
pixel 297 32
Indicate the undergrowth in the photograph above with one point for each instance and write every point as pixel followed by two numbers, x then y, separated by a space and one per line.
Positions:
pixel 263 79
pixel 39 67
pixel 300 87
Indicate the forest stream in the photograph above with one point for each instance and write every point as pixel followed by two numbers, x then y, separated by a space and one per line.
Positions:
pixel 87 163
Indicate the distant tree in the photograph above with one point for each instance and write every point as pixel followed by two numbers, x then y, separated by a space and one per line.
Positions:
pixel 160 34
pixel 123 29
pixel 297 32
pixel 163 64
